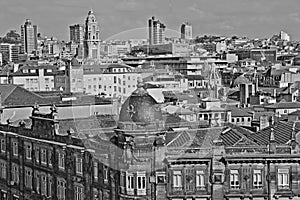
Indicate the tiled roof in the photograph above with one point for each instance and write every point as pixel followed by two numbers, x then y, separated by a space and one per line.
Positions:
pixel 283 105
pixel 203 138
pixel 195 77
pixel 180 140
pixel 295 113
pixel 282 133
pixel 239 112
pixel 233 137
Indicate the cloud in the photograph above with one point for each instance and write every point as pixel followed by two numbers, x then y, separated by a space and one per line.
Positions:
pixel 127 5
pixel 295 17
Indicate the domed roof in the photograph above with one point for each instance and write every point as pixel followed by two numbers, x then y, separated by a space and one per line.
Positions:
pixel 140 108
pixel 241 80
pixel 297 60
pixel 74 62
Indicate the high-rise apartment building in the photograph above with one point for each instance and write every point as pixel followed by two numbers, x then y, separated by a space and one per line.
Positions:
pixel 156 31
pixel 10 52
pixel 28 37
pixel 77 33
pixel 186 31
pixel 91 43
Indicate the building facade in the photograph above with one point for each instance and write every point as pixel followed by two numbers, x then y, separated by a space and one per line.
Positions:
pixel 156 31
pixel 186 31
pixel 28 37
pixel 77 33
pixel 91 43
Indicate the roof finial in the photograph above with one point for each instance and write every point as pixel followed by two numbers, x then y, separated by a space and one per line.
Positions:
pixel 272 136
pixel 293 132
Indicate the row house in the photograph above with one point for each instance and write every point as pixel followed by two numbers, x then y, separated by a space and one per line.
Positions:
pixel 40 163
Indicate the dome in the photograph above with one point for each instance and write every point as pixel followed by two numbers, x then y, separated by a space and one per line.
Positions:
pixel 241 80
pixel 74 62
pixel 297 60
pixel 140 108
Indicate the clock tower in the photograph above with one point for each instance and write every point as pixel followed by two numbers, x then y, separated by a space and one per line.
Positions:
pixel 91 37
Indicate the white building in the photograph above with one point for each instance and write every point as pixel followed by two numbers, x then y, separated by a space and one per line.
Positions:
pixel 114 80
pixel 284 36
pixel 35 78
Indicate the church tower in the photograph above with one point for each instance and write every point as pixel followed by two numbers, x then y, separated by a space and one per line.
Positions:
pixel 91 37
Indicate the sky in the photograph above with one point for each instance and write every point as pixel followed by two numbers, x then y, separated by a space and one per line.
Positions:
pixel 126 19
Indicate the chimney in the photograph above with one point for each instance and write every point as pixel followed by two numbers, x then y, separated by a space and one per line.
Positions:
pixel 274 93
pixel 272 142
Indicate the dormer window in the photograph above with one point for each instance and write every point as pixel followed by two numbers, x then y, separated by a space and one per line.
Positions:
pixel 25 71
pixel 32 71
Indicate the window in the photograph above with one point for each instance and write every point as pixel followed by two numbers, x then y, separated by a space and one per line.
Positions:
pixel 115 79
pixel 177 179
pixel 105 174
pixel 78 193
pixel 78 165
pixel 15 148
pixel 44 156
pixel 257 179
pixel 37 155
pixel 234 179
pixel 141 182
pixel 237 119
pixel 28 178
pixel 283 178
pixel 61 160
pixel 28 151
pixel 15 173
pixel 3 168
pixel 130 181
pixel 232 120
pixel 200 179
pixel 95 171
pixel 43 184
pixel 37 182
pixel 49 193
pixel 50 158
pixel 61 189
pixel 3 145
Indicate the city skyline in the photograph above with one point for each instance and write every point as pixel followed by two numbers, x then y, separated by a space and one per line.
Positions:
pixel 128 18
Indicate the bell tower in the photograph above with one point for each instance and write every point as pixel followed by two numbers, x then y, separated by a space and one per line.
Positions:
pixel 91 37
